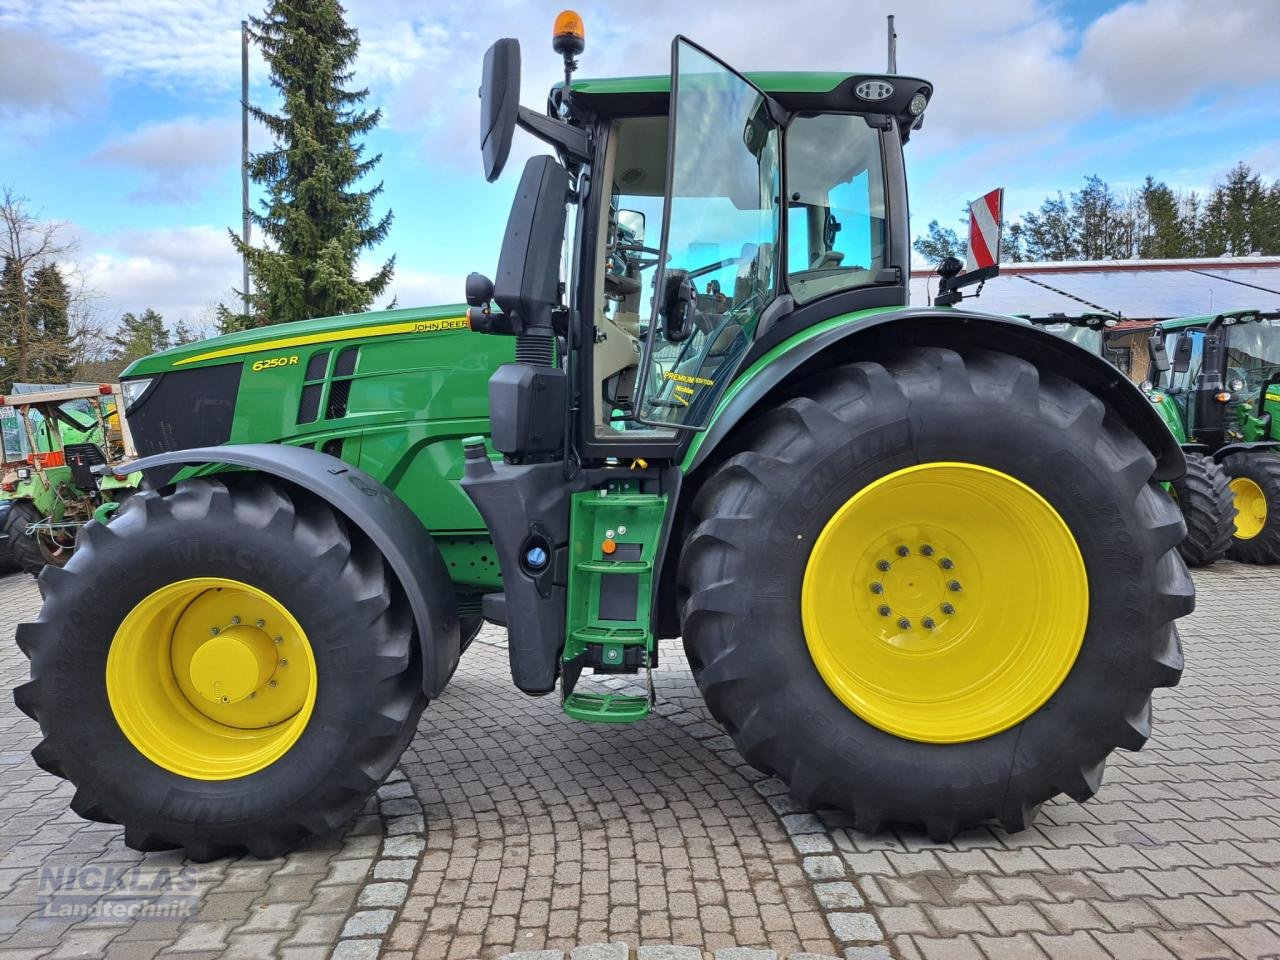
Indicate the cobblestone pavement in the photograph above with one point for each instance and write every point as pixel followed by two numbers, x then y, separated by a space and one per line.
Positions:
pixel 542 835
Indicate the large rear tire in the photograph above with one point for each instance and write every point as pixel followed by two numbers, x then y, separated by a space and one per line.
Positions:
pixel 907 427
pixel 228 665
pixel 1207 506
pixel 1254 478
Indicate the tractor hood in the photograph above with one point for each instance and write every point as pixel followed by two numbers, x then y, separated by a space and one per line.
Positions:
pixel 286 336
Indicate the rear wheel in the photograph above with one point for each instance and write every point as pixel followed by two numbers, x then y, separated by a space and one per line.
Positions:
pixel 229 665
pixel 1207 506
pixel 1255 484
pixel 969 595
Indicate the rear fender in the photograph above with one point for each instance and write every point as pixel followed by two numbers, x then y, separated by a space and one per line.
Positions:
pixel 865 335
pixel 384 518
pixel 1228 449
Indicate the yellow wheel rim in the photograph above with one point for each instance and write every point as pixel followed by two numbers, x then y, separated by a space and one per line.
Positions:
pixel 1251 507
pixel 211 678
pixel 945 602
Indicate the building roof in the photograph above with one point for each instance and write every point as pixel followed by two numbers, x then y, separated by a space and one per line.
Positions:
pixel 1138 290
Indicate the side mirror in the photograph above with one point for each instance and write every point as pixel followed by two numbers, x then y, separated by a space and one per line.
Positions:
pixel 1159 359
pixel 1182 353
pixel 677 306
pixel 499 105
pixel 1157 352
pixel 631 227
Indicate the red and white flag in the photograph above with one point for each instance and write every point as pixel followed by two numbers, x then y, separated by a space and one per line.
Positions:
pixel 985 216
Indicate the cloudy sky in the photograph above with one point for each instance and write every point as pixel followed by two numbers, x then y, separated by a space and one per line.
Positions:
pixel 121 117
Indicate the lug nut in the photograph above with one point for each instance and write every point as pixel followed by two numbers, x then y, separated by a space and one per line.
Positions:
pixel 904 623
pixel 253 695
pixel 271 683
pixel 877 588
pixel 284 663
pixel 927 550
pixel 948 609
pixel 226 699
pixel 882 565
pixel 953 586
pixel 928 623
pixel 946 563
pixel 214 631
pixel 904 551
pixel 884 611
pixel 279 640
pixel 235 621
pixel 260 624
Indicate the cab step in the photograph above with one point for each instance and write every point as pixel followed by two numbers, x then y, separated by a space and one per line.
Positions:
pixel 606 707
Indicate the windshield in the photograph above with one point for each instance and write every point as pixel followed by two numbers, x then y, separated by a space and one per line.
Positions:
pixel 721 236
pixel 835 205
pixel 1253 354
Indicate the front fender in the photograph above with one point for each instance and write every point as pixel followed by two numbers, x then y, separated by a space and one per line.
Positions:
pixel 373 508
pixel 862 336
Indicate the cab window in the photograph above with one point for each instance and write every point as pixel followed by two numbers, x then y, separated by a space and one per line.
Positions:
pixel 836 232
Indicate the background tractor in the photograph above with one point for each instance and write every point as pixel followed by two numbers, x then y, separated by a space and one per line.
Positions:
pixel 919 557
pixel 1221 398
pixel 50 442
pixel 1203 493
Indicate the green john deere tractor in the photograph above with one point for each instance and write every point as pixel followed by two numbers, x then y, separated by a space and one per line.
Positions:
pixel 50 441
pixel 1222 399
pixel 919 557
pixel 1203 493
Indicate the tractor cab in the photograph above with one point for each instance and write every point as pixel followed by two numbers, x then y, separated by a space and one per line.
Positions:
pixel 713 214
pixel 1225 371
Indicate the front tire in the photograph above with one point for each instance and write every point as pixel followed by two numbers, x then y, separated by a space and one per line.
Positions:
pixel 1204 497
pixel 803 461
pixel 1254 479
pixel 280 733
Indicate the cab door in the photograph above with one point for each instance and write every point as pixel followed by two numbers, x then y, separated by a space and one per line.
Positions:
pixel 720 255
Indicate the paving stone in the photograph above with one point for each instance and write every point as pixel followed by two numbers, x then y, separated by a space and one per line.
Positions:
pixel 601 951
pixel 668 952
pixel 368 923
pixel 745 953
pixel 854 926
pixel 838 895
pixel 356 950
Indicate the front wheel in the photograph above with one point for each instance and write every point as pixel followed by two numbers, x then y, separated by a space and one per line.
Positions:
pixel 228 665
pixel 969 593
pixel 33 551
pixel 1254 478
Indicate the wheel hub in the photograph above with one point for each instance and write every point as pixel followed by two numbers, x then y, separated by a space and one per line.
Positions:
pixel 945 602
pixel 233 665
pixel 1251 507
pixel 211 678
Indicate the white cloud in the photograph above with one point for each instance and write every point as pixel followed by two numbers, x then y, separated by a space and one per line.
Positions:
pixel 415 288
pixel 41 82
pixel 1153 54
pixel 177 158
pixel 179 271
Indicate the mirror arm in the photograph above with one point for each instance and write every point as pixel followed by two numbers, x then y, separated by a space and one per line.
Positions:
pixel 571 140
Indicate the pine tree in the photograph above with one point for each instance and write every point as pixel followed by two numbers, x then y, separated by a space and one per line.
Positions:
pixel 13 323
pixel 183 334
pixel 140 335
pixel 49 302
pixel 316 221
pixel 939 243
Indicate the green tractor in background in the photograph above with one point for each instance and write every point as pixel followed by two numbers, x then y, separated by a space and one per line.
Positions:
pixel 1202 493
pixel 50 441
pixel 919 557
pixel 1222 401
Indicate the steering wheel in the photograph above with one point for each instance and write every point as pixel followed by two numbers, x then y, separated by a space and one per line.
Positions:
pixel 649 259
